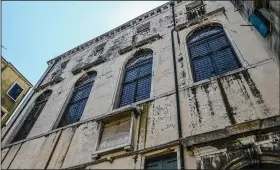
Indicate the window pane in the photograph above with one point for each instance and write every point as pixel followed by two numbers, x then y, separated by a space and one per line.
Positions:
pixel 15 91
pixel 218 43
pixel 142 58
pixel 203 68
pixel 87 90
pixel 128 94
pixel 85 80
pixel 145 70
pixel 75 111
pixel 205 33
pixel 131 74
pixel 81 93
pixel 77 96
pixel 198 49
pixel 144 88
pixel 225 61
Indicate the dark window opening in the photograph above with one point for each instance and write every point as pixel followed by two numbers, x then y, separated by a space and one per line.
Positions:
pixel 136 84
pixel 78 100
pixel 15 91
pixel 32 116
pixel 2 113
pixel 211 53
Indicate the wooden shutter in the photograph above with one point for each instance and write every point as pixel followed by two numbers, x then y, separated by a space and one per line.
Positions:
pixel 169 162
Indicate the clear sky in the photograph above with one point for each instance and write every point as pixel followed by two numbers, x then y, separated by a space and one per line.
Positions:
pixel 35 32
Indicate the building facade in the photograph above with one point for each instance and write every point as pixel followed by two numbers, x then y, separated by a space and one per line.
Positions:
pixel 183 86
pixel 14 87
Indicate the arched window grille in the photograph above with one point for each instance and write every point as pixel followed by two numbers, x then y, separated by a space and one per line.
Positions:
pixel 211 53
pixel 32 117
pixel 136 83
pixel 78 100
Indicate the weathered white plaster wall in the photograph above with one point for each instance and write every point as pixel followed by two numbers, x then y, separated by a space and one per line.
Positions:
pixel 252 93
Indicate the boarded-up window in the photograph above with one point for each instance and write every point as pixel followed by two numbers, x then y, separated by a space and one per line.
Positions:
pixel 143 28
pixel 115 134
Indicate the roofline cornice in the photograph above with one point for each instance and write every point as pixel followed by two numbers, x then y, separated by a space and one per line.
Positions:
pixel 102 37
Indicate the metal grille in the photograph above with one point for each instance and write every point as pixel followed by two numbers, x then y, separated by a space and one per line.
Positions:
pixel 78 101
pixel 211 53
pixel 32 116
pixel 137 81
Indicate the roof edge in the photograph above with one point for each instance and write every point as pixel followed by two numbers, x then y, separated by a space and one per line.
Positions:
pixel 126 25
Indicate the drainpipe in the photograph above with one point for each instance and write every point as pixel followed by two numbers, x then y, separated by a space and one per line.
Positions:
pixel 25 104
pixel 181 148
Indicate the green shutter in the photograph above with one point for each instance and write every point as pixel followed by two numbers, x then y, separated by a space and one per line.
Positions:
pixel 163 163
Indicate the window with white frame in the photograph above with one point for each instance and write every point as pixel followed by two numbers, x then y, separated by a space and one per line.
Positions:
pixel 137 79
pixel 15 91
pixel 211 53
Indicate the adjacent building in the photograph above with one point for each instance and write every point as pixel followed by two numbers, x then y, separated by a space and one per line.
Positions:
pixel 14 87
pixel 183 86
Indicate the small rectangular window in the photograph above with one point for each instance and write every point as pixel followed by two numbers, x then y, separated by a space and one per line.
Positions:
pixel 15 91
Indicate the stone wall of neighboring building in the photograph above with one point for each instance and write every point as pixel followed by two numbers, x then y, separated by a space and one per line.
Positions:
pixel 11 78
pixel 230 120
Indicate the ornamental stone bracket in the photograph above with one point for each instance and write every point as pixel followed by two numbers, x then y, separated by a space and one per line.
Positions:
pixel 100 59
pixel 84 66
pixel 200 18
pixel 140 43
pixel 77 68
pixel 56 79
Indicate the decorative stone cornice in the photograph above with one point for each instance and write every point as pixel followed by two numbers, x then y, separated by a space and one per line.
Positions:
pixel 246 127
pixel 84 66
pixel 101 39
pixel 140 43
pixel 200 18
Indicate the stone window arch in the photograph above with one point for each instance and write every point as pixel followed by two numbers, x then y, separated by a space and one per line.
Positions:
pixel 33 115
pixel 136 84
pixel 210 52
pixel 78 101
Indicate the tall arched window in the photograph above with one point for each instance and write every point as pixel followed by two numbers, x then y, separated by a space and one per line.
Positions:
pixel 136 83
pixel 78 100
pixel 29 122
pixel 211 53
